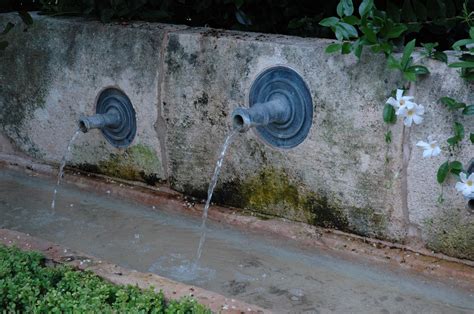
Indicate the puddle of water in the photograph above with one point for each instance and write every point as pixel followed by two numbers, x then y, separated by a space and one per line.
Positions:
pixel 61 167
pixel 266 271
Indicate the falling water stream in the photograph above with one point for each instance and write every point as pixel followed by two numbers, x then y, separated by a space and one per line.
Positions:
pixel 61 167
pixel 210 190
pixel 180 267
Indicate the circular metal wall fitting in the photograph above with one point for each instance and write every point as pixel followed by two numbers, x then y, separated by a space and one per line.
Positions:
pixel 278 82
pixel 113 100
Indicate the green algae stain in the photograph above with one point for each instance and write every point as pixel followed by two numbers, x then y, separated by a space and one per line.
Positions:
pixel 325 214
pixel 137 163
pixel 452 234
pixel 367 222
pixel 272 192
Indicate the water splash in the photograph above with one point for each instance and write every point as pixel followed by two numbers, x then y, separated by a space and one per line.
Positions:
pixel 61 167
pixel 210 190
pixel 178 267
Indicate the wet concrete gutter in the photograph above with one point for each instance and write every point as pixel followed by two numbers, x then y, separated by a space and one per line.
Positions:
pixel 415 259
pixel 122 276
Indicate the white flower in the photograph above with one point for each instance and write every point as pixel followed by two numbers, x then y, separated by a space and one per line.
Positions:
pixel 401 102
pixel 430 148
pixel 413 114
pixel 466 186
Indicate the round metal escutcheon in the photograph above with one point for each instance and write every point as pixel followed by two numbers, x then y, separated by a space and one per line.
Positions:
pixel 277 82
pixel 114 100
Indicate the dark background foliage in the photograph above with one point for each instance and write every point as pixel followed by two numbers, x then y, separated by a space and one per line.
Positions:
pixel 432 20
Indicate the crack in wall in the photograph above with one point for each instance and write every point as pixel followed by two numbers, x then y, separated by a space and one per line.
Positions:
pixel 406 155
pixel 160 124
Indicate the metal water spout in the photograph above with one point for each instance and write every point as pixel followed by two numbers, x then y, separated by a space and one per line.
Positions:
pixel 115 117
pixel 280 108
pixel 100 121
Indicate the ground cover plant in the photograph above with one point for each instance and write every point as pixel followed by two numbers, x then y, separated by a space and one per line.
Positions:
pixel 27 285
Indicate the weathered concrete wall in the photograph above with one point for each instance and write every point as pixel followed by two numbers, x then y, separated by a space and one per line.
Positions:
pixel 52 74
pixel 184 84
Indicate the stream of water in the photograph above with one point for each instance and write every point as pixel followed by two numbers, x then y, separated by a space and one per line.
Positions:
pixel 210 190
pixel 61 167
pixel 180 266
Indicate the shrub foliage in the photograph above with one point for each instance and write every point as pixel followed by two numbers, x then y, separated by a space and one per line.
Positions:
pixel 27 285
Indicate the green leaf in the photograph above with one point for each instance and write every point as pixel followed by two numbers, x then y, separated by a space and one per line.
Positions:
pixel 452 141
pixel 468 76
pixel 388 137
pixel 468 110
pixel 409 76
pixel 442 172
pixel 471 32
pixel 471 137
pixel 365 7
pixel 351 20
pixel 389 114
pixel 347 7
pixel 349 29
pixel 463 42
pixel 3 45
pixel 429 47
pixel 440 56
pixel 387 48
pixel 7 28
pixel 333 48
pixel 346 48
pixel 26 17
pixel 455 167
pixel 458 131
pixel 451 103
pixel 396 31
pixel 467 57
pixel 463 64
pixel 329 21
pixel 357 46
pixel 393 63
pixel 369 33
pixel 407 51
pixel 340 33
pixel 418 69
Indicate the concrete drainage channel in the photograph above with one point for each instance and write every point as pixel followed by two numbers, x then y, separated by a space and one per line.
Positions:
pixel 278 86
pixel 271 270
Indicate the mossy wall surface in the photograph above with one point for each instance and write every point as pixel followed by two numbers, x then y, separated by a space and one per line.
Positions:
pixel 452 233
pixel 136 163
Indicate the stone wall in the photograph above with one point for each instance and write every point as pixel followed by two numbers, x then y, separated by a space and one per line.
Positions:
pixel 185 82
